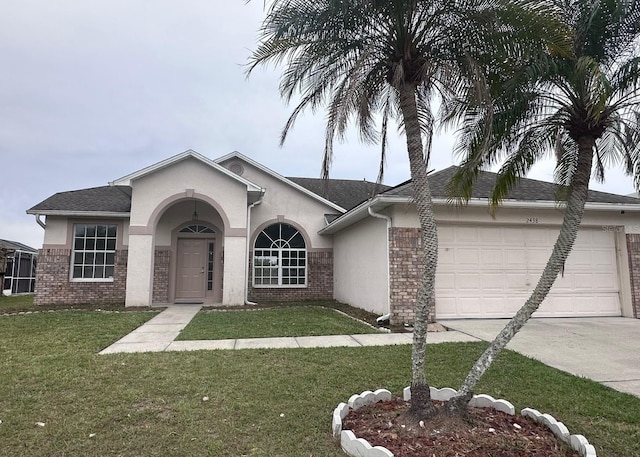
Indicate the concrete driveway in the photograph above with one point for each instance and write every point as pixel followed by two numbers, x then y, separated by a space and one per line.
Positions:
pixel 606 349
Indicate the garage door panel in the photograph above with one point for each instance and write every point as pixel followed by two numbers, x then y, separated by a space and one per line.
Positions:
pixel 492 281
pixel 597 237
pixel 535 237
pixel 557 306
pixel 469 306
pixel 465 234
pixel 513 236
pixel 446 256
pixel 490 272
pixel 445 234
pixel 467 256
pixel 491 257
pixel 604 258
pixel 489 235
pixel 582 258
pixel 471 281
pixel 517 281
pixel 445 281
pixel 515 257
pixel 538 257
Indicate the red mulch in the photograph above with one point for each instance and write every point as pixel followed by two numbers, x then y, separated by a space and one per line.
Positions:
pixel 484 433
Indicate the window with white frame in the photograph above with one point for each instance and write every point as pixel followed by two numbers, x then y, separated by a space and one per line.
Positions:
pixel 94 251
pixel 280 257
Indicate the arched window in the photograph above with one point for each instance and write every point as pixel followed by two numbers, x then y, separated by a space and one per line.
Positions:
pixel 280 257
pixel 196 228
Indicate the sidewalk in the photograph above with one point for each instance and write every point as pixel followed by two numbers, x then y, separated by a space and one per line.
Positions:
pixel 159 333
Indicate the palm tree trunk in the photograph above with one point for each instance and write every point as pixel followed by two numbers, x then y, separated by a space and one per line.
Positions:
pixel 421 405
pixel 568 232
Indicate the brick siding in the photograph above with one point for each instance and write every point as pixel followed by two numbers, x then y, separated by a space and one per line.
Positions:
pixel 53 286
pixel 405 271
pixel 161 276
pixel 633 250
pixel 319 281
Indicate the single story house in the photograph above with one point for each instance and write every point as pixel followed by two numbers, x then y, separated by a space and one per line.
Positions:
pixel 231 231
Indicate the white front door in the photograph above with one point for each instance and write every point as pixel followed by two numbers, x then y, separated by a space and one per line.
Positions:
pixel 191 267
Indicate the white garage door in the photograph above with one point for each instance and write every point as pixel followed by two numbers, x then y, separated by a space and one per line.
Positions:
pixel 489 272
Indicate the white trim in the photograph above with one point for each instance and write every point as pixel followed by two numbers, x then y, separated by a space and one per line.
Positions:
pixel 384 217
pixel 383 201
pixel 59 212
pixel 237 155
pixel 189 153
pixel 247 250
pixel 109 279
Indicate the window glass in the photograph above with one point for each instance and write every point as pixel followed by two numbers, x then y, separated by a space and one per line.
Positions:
pixel 277 249
pixel 94 251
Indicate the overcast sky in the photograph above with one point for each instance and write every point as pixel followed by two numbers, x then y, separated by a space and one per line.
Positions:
pixel 93 90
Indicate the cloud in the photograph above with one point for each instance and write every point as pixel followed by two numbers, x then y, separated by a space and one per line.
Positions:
pixel 91 91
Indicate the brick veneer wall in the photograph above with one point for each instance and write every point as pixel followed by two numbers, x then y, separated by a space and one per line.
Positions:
pixel 53 286
pixel 319 281
pixel 633 250
pixel 405 268
pixel 161 276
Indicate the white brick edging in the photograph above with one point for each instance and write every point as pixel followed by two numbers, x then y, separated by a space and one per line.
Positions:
pixel 359 447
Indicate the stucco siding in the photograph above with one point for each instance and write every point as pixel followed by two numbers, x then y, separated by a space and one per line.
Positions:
pixel 150 191
pixel 56 231
pixel 291 204
pixel 181 213
pixel 140 270
pixel 361 276
pixel 234 279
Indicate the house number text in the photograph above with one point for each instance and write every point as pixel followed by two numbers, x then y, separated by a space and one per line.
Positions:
pixel 531 220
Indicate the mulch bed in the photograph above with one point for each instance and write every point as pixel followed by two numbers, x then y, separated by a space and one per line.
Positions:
pixel 484 433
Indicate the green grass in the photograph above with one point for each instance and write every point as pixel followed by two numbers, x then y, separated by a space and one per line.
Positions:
pixel 272 322
pixel 151 404
pixel 24 303
pixel 16 303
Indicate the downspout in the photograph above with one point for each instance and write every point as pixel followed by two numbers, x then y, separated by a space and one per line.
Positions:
pixel 246 257
pixel 372 213
pixel 40 223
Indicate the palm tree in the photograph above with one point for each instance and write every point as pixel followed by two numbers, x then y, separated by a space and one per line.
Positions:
pixel 371 61
pixel 584 107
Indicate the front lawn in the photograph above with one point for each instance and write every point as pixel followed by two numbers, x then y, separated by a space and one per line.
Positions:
pixel 271 322
pixel 24 303
pixel 16 303
pixel 259 402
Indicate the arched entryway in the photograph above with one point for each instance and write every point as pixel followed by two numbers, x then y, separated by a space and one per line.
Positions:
pixel 198 276
pixel 188 254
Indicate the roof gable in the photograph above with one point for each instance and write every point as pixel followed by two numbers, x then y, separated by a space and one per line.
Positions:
pixel 127 180
pixel 289 182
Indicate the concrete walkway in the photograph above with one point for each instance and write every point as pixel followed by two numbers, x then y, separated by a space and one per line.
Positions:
pixel 159 333
pixel 604 349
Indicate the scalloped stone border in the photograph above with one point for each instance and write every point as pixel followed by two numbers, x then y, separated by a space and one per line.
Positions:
pixel 359 447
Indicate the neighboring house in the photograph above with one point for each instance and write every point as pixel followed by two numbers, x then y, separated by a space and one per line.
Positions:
pixel 18 266
pixel 231 231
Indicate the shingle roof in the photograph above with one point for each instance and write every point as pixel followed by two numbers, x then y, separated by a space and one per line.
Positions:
pixel 344 192
pixel 526 189
pixel 347 193
pixel 15 246
pixel 112 199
